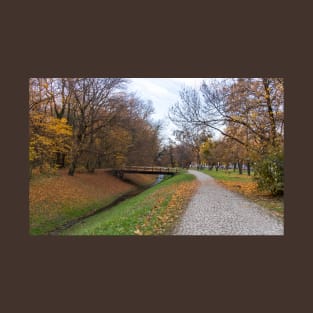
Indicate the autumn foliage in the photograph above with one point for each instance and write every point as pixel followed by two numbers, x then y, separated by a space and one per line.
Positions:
pixel 153 212
pixel 89 122
pixel 47 137
pixel 56 200
pixel 248 186
pixel 248 113
pixel 169 204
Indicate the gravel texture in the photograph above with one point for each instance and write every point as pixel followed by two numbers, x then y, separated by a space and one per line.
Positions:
pixel 214 210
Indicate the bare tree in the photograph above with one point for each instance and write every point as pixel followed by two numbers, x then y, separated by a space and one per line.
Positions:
pixel 90 96
pixel 255 105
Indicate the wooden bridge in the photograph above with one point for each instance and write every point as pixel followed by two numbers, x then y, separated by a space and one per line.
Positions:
pixel 145 170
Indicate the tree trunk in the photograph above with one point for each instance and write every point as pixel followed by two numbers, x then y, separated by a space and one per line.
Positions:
pixel 98 163
pixel 240 167
pixel 72 167
pixel 60 159
pixel 235 166
pixel 90 166
pixel 63 160
pixel 172 161
pixel 71 170
pixel 248 168
pixel 198 160
pixel 270 110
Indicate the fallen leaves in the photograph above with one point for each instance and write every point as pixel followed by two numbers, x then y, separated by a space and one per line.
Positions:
pixel 138 232
pixel 57 199
pixel 250 190
pixel 169 203
pixel 141 179
pixel 245 187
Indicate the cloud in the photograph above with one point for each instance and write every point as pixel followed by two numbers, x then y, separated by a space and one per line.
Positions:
pixel 190 82
pixel 160 91
pixel 163 92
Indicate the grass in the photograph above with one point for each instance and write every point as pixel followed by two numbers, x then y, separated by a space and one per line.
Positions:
pixel 153 212
pixel 246 186
pixel 228 175
pixel 58 199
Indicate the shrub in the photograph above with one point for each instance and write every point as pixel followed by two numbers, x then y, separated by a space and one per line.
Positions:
pixel 269 173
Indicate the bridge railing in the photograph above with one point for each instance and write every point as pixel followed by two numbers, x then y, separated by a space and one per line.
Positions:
pixel 156 169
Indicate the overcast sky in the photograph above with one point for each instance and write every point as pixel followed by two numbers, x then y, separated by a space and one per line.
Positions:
pixel 163 92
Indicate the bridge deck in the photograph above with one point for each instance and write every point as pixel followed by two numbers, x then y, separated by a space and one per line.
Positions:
pixel 149 170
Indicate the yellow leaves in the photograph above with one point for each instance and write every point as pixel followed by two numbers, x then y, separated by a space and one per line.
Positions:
pixel 164 218
pixel 138 232
pixel 253 115
pixel 47 136
pixel 119 140
pixel 182 194
pixel 168 205
pixel 32 155
pixel 205 148
pixel 58 127
pixel 247 187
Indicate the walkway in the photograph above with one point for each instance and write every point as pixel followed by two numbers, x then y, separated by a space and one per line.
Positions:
pixel 214 210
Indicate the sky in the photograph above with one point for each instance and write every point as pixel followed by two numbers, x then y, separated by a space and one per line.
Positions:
pixel 163 92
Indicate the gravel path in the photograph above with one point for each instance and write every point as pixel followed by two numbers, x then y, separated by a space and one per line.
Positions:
pixel 214 210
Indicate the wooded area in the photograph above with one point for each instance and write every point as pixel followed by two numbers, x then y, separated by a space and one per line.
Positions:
pixel 88 122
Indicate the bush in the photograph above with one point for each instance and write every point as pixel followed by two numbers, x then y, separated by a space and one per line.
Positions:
pixel 269 173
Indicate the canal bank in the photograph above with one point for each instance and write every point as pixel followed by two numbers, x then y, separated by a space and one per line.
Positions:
pixel 55 200
pixel 130 179
pixel 152 212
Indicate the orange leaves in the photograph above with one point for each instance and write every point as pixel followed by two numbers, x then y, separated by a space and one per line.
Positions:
pixel 182 194
pixel 141 179
pixel 248 188
pixel 168 205
pixel 54 197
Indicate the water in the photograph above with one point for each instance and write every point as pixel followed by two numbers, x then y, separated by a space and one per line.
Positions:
pixel 159 179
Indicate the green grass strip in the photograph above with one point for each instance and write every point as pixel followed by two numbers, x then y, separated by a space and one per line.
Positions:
pixel 229 175
pixel 125 217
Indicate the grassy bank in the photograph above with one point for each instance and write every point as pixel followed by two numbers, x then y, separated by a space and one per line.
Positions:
pixel 58 199
pixel 245 185
pixel 152 212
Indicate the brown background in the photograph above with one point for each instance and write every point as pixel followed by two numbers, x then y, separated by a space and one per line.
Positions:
pixel 155 274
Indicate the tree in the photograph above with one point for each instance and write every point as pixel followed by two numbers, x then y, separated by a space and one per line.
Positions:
pixel 144 133
pixel 47 137
pixel 247 111
pixel 209 153
pixel 90 122
pixel 91 95
pixel 254 104
pixel 193 139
